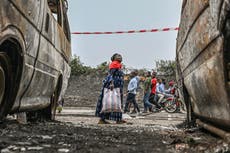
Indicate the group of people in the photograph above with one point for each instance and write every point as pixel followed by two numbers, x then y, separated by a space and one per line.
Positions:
pixel 154 92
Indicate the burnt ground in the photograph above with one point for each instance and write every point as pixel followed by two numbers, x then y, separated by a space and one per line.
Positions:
pixel 76 130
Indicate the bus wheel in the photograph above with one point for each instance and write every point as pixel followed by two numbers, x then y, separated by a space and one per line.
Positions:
pixel 5 84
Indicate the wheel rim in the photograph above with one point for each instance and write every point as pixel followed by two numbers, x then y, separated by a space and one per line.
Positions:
pixel 2 84
pixel 171 108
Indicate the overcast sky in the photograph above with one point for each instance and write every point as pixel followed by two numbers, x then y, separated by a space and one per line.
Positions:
pixel 138 50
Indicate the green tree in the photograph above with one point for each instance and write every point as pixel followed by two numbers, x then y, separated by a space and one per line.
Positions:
pixel 142 72
pixel 102 68
pixel 166 68
pixel 77 67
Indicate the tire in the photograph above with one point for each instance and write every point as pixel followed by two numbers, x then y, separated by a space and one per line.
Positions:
pixel 170 106
pixel 5 85
pixel 2 83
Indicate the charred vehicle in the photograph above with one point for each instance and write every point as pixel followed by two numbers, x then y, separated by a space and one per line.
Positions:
pixel 34 55
pixel 203 60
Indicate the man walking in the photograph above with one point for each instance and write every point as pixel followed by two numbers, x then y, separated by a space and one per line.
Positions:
pixel 147 91
pixel 153 89
pixel 132 91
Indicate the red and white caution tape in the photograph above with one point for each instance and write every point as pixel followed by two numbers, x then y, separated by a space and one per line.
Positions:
pixel 131 31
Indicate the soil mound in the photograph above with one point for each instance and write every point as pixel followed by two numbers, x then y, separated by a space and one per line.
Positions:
pixel 84 90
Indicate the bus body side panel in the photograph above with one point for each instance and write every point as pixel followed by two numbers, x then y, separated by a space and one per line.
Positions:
pixel 200 53
pixel 51 64
pixel 22 21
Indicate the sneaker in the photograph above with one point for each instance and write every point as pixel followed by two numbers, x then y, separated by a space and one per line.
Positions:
pixel 151 109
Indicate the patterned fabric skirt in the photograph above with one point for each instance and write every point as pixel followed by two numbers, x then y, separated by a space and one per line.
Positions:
pixel 116 116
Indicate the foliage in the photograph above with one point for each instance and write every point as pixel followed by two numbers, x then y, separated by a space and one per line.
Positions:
pixel 166 68
pixel 102 68
pixel 142 72
pixel 77 67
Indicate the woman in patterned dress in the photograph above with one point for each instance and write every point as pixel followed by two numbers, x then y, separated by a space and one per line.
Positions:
pixel 115 78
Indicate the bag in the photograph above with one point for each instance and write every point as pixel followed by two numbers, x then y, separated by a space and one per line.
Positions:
pixel 111 101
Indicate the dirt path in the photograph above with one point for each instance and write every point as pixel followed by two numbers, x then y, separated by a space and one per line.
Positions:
pixel 85 115
pixel 76 130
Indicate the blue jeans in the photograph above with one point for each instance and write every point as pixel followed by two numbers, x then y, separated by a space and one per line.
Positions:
pixel 147 104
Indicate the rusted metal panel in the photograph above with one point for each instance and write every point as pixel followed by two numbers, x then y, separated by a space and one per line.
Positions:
pixel 14 24
pixel 204 35
pixel 202 48
pixel 54 54
pixel 33 11
pixel 190 13
pixel 46 50
pixel 206 85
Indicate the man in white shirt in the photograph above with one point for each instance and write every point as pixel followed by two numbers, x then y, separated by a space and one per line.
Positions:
pixel 160 91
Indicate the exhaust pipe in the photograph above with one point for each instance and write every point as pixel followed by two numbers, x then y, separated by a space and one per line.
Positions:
pixel 221 133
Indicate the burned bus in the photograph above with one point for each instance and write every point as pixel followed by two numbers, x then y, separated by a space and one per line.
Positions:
pixel 203 61
pixel 34 55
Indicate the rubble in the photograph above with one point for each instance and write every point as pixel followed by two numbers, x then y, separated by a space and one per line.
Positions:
pixel 76 130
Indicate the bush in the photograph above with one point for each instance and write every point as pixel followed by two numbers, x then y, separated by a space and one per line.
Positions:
pixel 77 67
pixel 166 69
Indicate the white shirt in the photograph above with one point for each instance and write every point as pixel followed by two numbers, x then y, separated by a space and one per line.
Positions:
pixel 132 86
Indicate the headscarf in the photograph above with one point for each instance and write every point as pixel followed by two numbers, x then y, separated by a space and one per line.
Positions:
pixel 115 65
pixel 116 61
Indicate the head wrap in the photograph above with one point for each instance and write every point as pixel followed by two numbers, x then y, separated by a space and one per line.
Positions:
pixel 115 65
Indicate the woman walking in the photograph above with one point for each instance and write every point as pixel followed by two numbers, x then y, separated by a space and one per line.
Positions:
pixel 113 81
